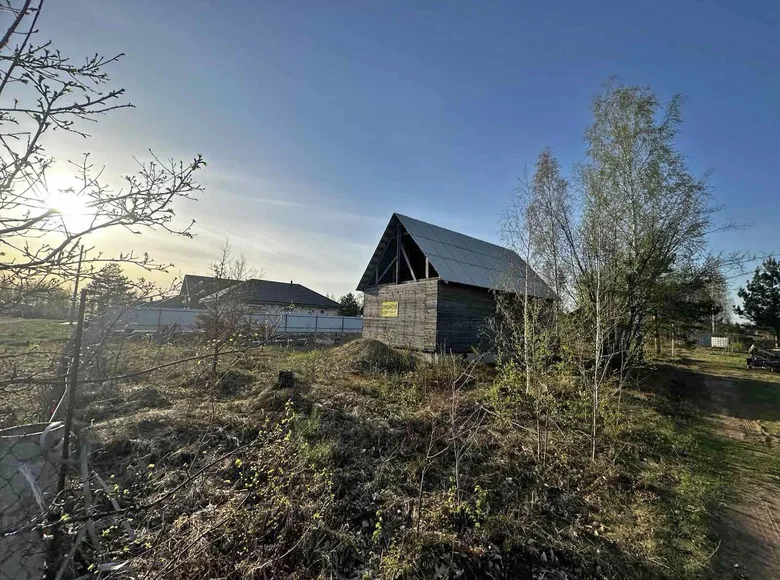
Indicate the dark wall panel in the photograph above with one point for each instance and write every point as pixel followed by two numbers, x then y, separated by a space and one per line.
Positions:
pixel 463 315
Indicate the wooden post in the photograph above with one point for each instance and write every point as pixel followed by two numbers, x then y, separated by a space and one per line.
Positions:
pixel 390 265
pixel 316 319
pixel 72 382
pixel 408 263
pixel 398 254
pixel 76 288
pixel 427 268
pixel 342 325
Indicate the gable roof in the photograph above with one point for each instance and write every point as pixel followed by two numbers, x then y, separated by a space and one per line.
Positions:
pixel 283 293
pixel 197 287
pixel 461 259
pixel 172 302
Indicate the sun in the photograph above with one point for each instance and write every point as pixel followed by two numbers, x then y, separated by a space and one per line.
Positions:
pixel 72 209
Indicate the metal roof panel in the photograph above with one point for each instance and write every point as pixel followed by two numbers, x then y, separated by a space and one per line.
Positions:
pixel 442 268
pixel 461 259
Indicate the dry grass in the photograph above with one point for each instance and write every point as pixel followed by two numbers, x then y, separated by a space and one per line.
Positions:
pixel 330 481
pixel 352 472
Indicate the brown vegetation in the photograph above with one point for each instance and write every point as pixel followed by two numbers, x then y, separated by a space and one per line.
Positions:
pixel 365 468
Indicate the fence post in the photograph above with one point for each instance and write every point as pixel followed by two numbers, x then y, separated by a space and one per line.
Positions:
pixel 285 323
pixel 55 546
pixel 159 319
pixel 342 325
pixel 72 381
pixel 316 318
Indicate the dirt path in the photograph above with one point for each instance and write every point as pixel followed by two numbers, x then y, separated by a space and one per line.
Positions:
pixel 749 529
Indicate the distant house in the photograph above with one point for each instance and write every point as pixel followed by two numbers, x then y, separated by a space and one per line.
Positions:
pixel 195 288
pixel 268 297
pixel 172 302
pixel 431 289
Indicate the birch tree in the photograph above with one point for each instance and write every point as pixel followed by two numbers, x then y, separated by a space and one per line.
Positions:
pixel 631 213
pixel 655 211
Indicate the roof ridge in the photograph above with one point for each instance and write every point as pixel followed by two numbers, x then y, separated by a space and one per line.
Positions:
pixel 275 282
pixel 400 215
pixel 209 277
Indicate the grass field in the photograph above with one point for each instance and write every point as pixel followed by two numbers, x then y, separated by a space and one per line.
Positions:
pixel 20 333
pixel 755 392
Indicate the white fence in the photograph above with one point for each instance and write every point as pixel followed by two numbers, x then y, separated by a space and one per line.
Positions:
pixel 156 319
pixel 713 341
pixel 28 478
pixel 720 342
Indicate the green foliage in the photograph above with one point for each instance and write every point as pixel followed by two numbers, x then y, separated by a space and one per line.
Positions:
pixel 685 299
pixel 349 305
pixel 645 213
pixel 658 474
pixel 761 297
pixel 110 288
pixel 638 215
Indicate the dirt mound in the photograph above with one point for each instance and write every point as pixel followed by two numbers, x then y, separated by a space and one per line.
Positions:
pixel 234 382
pixel 366 355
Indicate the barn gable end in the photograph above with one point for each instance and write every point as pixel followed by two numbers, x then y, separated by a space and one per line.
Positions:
pixel 431 289
pixel 414 323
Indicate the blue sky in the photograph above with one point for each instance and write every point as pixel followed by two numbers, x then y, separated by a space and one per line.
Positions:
pixel 319 119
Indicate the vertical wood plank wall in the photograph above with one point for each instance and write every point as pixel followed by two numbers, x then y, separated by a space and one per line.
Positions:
pixel 415 325
pixel 463 314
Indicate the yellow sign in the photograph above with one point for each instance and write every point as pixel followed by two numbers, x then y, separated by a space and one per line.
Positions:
pixel 390 309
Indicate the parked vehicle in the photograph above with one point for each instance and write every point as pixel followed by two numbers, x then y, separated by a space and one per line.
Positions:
pixel 763 359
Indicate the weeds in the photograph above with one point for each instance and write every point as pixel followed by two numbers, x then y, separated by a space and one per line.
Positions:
pixel 430 472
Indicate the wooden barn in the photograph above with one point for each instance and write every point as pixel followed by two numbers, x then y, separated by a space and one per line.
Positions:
pixel 430 289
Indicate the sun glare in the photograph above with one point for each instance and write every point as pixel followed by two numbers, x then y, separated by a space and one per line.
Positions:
pixel 72 209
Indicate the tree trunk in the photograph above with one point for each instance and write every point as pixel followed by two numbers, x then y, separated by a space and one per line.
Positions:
pixel 215 359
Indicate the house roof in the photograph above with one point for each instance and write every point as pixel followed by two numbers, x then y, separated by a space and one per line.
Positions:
pixel 198 287
pixel 284 293
pixel 172 302
pixel 461 259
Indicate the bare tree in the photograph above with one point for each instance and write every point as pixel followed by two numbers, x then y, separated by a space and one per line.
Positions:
pixel 517 235
pixel 226 308
pixel 547 214
pixel 230 267
pixel 527 324
pixel 42 230
pixel 47 228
